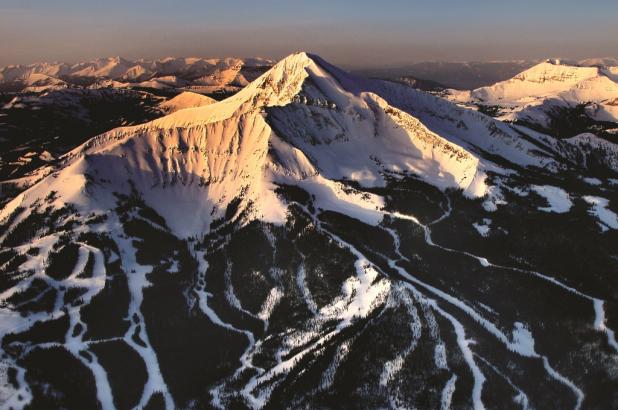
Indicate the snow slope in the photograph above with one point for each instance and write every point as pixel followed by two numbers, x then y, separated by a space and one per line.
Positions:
pixel 530 94
pixel 186 99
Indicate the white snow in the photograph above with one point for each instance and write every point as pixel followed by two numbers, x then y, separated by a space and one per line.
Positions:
pixel 567 382
pixel 394 366
pixel 362 292
pixel 599 324
pixel 532 94
pixel 522 337
pixel 332 196
pixel 304 290
pixel 607 218
pixel 558 199
pixel 447 393
pixel 137 282
pixel 484 228
pixel 439 356
pixel 493 199
pixel 273 298
pixel 592 181
pixel 10 207
pixel 205 156
pixel 186 99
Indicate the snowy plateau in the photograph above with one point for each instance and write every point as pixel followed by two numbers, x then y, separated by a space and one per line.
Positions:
pixel 307 239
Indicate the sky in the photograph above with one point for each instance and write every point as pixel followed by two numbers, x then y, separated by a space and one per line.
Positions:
pixel 355 34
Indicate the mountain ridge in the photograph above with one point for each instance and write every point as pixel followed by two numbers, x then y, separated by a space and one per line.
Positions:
pixel 549 94
pixel 278 87
pixel 324 93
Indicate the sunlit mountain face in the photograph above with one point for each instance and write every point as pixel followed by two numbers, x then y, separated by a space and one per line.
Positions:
pixel 555 97
pixel 297 236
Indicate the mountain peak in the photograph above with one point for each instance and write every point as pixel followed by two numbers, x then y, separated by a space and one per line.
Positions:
pixel 304 122
pixel 555 71
pixel 297 56
pixel 277 86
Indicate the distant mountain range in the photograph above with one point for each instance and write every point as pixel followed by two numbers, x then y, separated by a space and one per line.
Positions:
pixel 469 75
pixel 458 75
pixel 209 75
pixel 205 75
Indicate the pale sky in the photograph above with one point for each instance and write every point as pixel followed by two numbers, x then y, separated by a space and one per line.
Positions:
pixel 350 33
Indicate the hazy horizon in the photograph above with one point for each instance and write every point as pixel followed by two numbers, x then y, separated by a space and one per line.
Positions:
pixel 359 35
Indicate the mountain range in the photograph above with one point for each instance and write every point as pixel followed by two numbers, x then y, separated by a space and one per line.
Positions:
pixel 319 240
pixel 207 75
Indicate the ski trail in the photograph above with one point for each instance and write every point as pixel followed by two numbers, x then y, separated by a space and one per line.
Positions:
pixel 464 347
pixel 360 295
pixel 36 263
pixel 281 368
pixel 230 294
pixel 358 299
pixel 447 393
pixel 392 367
pixel 462 342
pixel 597 303
pixel 519 345
pixel 599 323
pixel 304 290
pixel 328 377
pixel 521 397
pixel 273 298
pixel 136 278
pixel 246 358
pixel 203 304
pixel 343 349
pixel 73 339
pixel 13 322
pixel 75 345
pixel 553 373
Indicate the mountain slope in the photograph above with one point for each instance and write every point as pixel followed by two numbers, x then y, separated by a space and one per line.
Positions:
pixel 184 100
pixel 550 94
pixel 313 238
pixel 349 134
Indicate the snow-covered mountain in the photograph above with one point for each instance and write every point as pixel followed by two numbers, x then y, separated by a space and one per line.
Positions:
pixel 549 93
pixel 316 238
pixel 203 74
pixel 35 129
pixel 186 99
